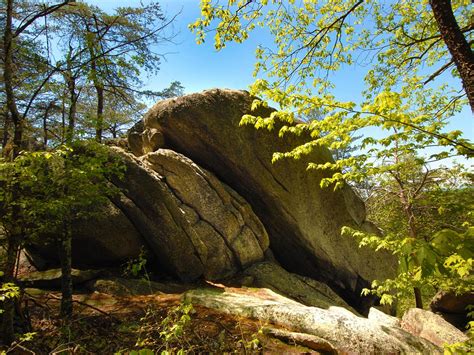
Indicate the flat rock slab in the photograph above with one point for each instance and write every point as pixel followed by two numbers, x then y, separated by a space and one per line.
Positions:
pixel 51 279
pixel 133 287
pixel 296 287
pixel 335 328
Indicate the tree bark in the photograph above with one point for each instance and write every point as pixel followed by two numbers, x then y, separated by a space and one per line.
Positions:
pixel 418 297
pixel 65 254
pixel 63 119
pixel 8 75
pixel 114 130
pixel 45 123
pixel 457 44
pixel 100 112
pixel 73 97
pixel 6 129
pixel 13 240
pixel 7 333
pixel 99 87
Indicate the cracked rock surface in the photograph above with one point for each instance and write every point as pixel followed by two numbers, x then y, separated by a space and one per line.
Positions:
pixel 303 220
pixel 330 329
pixel 194 224
pixel 432 327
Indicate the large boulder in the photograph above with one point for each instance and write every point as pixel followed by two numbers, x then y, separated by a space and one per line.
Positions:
pixel 192 224
pixel 195 225
pixel 304 221
pixel 432 327
pixel 333 330
pixel 299 288
pixel 452 307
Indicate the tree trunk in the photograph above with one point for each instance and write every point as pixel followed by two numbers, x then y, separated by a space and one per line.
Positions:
pixel 8 75
pixel 63 120
pixel 15 236
pixel 45 124
pixel 13 240
pixel 99 87
pixel 7 332
pixel 65 254
pixel 418 298
pixel 457 44
pixel 45 132
pixel 114 130
pixel 73 96
pixel 6 129
pixel 100 112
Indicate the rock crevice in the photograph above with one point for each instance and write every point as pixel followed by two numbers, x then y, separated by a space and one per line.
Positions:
pixel 202 221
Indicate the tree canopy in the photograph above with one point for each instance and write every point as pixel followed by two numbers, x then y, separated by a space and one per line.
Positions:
pixel 418 63
pixel 76 60
pixel 412 82
pixel 70 71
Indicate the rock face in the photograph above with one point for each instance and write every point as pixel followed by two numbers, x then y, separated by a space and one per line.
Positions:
pixel 303 220
pixel 381 317
pixel 333 330
pixel 431 327
pixel 143 140
pixel 132 287
pixel 195 225
pixel 109 239
pixel 299 288
pixel 51 279
pixel 453 308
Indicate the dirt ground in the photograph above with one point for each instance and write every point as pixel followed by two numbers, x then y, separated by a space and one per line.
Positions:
pixel 105 324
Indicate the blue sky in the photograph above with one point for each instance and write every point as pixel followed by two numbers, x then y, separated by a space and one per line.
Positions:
pixel 197 67
pixel 200 67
